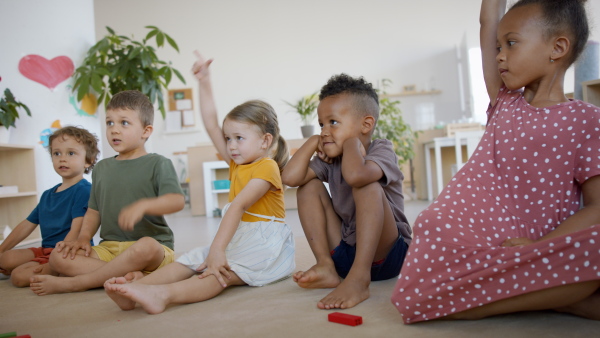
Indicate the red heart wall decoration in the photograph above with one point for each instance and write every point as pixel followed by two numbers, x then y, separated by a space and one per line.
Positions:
pixel 47 72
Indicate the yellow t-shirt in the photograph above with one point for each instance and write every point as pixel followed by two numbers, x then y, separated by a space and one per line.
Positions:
pixel 272 203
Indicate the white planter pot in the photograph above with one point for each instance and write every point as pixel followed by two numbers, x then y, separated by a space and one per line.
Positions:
pixel 307 131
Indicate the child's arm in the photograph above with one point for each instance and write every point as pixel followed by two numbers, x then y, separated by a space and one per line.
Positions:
pixel 82 238
pixel 584 218
pixel 216 262
pixel 297 171
pixel 156 206
pixel 19 233
pixel 76 224
pixel 489 18
pixel 208 108
pixel 357 171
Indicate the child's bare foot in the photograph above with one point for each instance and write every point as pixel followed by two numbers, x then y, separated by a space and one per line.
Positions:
pixel 112 288
pixel 348 294
pixel 587 308
pixel 317 277
pixel 134 275
pixel 152 298
pixel 43 285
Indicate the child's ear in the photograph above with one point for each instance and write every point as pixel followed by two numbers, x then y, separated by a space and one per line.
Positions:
pixel 267 140
pixel 560 48
pixel 368 123
pixel 147 131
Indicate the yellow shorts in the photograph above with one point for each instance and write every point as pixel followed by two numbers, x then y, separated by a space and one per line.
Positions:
pixel 108 250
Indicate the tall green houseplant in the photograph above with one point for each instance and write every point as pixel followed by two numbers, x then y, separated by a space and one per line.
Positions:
pixel 117 63
pixel 391 126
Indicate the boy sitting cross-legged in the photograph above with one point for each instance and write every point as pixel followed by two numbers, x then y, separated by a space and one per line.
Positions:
pixel 61 208
pixel 360 233
pixel 130 194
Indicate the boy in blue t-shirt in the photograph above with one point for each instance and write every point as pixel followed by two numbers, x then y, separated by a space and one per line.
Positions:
pixel 60 210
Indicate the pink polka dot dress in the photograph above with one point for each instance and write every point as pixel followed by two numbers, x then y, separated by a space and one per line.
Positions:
pixel 523 180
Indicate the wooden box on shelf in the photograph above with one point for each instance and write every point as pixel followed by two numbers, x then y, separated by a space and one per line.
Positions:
pixel 18 169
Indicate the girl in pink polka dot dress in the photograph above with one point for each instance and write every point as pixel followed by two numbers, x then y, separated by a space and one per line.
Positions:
pixel 509 233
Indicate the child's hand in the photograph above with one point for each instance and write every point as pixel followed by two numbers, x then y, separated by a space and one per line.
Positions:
pixel 200 67
pixel 72 247
pixel 131 215
pixel 520 241
pixel 216 264
pixel 321 154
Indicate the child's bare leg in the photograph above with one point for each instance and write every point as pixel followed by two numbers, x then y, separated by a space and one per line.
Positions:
pixel 322 228
pixel 22 274
pixel 155 298
pixel 168 274
pixel 570 298
pixel 376 234
pixel 11 259
pixel 145 254
pixel 80 265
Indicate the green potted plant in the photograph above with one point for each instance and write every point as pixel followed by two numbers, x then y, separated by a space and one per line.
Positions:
pixel 391 126
pixel 306 108
pixel 9 113
pixel 117 63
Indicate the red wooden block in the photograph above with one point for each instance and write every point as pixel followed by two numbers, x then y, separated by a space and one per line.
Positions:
pixel 344 318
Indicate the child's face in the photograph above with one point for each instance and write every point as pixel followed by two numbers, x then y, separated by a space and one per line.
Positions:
pixel 245 141
pixel 338 123
pixel 524 54
pixel 68 157
pixel 125 132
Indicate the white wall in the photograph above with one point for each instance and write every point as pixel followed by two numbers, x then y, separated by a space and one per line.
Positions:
pixel 282 50
pixel 49 29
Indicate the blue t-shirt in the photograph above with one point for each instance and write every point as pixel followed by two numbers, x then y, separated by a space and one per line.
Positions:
pixel 56 211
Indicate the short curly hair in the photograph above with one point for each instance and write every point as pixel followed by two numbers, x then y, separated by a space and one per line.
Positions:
pixel 366 100
pixel 81 135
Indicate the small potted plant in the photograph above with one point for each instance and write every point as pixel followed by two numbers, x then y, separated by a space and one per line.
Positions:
pixel 306 108
pixel 9 113
pixel 118 63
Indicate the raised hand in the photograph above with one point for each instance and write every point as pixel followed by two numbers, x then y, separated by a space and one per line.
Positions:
pixel 200 67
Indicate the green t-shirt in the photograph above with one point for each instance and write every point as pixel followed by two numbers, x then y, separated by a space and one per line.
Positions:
pixel 118 183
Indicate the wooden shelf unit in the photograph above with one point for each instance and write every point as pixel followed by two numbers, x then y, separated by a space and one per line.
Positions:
pixel 591 92
pixel 18 168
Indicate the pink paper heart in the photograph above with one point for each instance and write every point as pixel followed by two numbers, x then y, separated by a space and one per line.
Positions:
pixel 47 72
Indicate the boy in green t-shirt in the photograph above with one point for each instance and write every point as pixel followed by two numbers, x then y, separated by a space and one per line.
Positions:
pixel 130 194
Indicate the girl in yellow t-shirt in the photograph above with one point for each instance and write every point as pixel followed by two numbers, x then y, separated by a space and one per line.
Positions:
pixel 253 245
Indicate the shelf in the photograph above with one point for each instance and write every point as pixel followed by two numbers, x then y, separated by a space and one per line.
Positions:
pixel 19 194
pixel 414 93
pixel 591 91
pixel 219 191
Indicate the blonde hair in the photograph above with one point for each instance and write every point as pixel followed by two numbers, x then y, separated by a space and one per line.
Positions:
pixel 262 115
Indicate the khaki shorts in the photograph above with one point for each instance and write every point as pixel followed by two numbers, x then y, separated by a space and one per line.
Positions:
pixel 108 250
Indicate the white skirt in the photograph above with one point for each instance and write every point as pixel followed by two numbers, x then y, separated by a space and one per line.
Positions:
pixel 259 252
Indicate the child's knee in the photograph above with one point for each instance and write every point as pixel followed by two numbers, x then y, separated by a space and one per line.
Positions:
pixel 369 191
pixel 311 190
pixel 146 247
pixel 20 277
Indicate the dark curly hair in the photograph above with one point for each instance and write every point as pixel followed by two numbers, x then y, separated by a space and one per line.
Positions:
pixel 366 100
pixel 81 135
pixel 563 17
